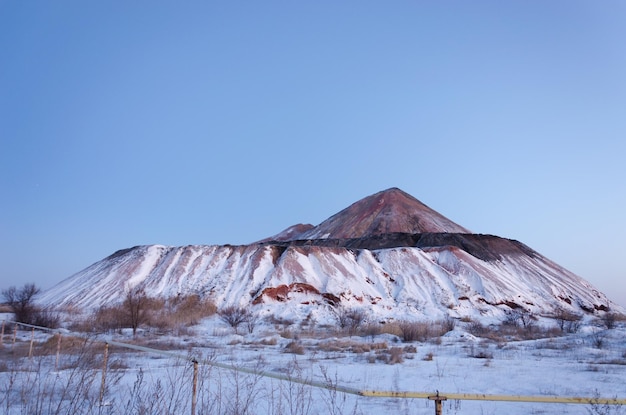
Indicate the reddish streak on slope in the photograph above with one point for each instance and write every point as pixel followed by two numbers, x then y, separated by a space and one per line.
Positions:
pixel 281 293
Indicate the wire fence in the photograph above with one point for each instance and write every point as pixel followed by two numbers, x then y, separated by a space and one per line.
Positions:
pixel 195 361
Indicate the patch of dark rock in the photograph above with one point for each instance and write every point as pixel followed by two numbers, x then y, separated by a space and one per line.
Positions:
pixel 484 247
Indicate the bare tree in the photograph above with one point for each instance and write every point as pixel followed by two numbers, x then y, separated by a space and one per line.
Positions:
pixel 235 316
pixel 609 319
pixel 21 301
pixel 135 307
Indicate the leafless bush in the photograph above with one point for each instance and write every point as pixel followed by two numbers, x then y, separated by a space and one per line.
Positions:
pixel 350 319
pixel 235 316
pixel 335 401
pixel 480 352
pixel 597 339
pixel 598 408
pixel 395 355
pixel 107 319
pixel 294 347
pixel 448 324
pixel 414 331
pixel 190 309
pixel 520 318
pixel 421 331
pixel 372 330
pixel 608 319
pixel 477 329
pixel 568 322
pixel 297 397
pixel 21 302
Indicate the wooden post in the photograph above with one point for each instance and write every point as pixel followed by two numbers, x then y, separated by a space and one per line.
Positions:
pixel 2 335
pixel 194 387
pixel 32 339
pixel 56 362
pixel 104 371
pixel 438 403
pixel 14 336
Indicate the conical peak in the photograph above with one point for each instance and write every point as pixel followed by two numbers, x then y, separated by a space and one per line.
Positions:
pixel 388 211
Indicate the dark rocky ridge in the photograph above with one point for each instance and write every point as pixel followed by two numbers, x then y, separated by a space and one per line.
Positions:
pixel 484 247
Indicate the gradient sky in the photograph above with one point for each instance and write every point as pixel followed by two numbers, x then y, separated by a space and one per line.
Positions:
pixel 147 122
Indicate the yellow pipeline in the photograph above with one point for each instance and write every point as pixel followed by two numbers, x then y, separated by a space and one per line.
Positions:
pixel 485 397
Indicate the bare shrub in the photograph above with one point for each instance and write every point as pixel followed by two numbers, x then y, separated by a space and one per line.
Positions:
pixel 482 352
pixel 391 328
pixel 45 317
pixel 414 331
pixel 110 318
pixel 519 318
pixel 395 355
pixel 477 329
pixel 598 339
pixel 294 347
pixel 350 319
pixel 271 341
pixel 568 322
pixel 190 309
pixel 448 324
pixel 372 330
pixel 294 396
pixel 608 319
pixel 279 321
pixel 179 312
pixel 596 407
pixel 410 349
pixel 234 316
pixel 21 302
pixel 333 398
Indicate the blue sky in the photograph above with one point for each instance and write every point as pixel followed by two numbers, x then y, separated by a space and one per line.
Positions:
pixel 127 123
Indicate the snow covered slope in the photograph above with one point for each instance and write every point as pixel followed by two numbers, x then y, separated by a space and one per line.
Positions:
pixel 378 262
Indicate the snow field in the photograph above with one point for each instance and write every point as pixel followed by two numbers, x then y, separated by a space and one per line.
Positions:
pixel 458 362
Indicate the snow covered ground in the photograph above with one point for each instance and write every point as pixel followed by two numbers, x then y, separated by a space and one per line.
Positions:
pixel 588 363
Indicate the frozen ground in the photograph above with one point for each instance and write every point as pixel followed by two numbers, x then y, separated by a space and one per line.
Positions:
pixel 588 363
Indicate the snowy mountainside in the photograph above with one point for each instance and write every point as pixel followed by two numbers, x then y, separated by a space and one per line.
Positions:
pixel 388 253
pixel 402 282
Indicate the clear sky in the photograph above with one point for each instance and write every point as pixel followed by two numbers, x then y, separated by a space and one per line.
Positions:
pixel 157 122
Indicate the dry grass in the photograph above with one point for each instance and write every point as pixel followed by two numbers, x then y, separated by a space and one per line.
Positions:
pixel 410 331
pixel 174 315
pixel 351 346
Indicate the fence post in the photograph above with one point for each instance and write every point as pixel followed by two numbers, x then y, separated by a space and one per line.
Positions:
pixel 32 339
pixel 104 371
pixel 2 335
pixel 56 362
pixel 14 336
pixel 438 403
pixel 194 387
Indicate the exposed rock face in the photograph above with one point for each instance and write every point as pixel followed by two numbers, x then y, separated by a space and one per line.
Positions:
pixel 388 211
pixel 387 253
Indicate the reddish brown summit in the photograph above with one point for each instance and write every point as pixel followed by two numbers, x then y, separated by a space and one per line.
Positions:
pixel 388 211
